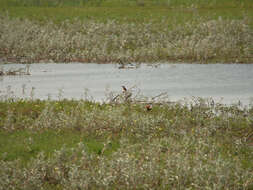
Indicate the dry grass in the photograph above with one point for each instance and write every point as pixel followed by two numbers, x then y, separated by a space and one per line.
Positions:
pixel 204 41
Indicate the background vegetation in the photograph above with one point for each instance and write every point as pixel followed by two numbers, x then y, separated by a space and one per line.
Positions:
pixel 117 3
pixel 172 31
pixel 128 10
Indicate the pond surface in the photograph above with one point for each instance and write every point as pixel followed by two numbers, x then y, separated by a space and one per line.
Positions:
pixel 227 83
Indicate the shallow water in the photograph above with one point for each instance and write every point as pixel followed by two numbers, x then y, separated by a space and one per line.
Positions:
pixel 227 83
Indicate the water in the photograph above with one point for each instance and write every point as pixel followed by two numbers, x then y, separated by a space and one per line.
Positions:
pixel 227 83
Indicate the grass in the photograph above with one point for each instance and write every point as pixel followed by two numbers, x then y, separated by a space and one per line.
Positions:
pixel 199 40
pixel 29 26
pixel 127 10
pixel 27 144
pixel 127 14
pixel 127 3
pixel 71 144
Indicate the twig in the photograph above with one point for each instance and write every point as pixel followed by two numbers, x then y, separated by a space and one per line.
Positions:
pixel 163 93
pixel 115 97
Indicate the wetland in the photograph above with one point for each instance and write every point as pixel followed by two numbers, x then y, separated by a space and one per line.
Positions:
pixel 66 124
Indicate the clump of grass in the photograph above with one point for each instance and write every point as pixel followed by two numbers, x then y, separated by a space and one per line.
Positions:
pixel 200 145
pixel 91 41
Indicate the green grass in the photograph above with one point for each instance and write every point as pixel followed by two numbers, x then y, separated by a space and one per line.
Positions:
pixel 27 144
pixel 128 10
pixel 121 3
pixel 127 14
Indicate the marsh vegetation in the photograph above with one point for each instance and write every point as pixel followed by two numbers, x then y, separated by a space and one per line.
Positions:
pixel 160 31
pixel 70 144
pixel 84 145
pixel 90 41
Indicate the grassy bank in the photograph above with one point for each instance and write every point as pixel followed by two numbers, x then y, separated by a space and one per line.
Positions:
pixel 79 144
pixel 126 31
pixel 198 40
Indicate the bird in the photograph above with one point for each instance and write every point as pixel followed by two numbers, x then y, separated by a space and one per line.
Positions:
pixel 127 94
pixel 124 88
pixel 149 107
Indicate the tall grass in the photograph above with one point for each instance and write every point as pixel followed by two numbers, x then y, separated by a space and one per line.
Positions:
pixel 199 40
pixel 126 31
pixel 196 146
